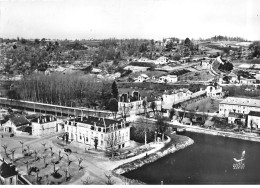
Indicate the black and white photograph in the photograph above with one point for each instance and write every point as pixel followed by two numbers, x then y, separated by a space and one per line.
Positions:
pixel 130 92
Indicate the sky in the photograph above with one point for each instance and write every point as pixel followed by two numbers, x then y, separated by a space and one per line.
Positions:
pixel 150 19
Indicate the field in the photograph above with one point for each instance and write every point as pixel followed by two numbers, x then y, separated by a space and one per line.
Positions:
pixel 196 76
pixel 204 105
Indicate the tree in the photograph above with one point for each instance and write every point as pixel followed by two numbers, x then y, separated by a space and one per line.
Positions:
pixel 161 125
pixel 113 106
pixel 112 143
pixel 153 106
pixel 95 143
pixel 183 106
pixel 187 42
pixel 109 180
pixel 12 151
pixel 114 90
pixel 5 148
pixel 22 143
pixel 27 166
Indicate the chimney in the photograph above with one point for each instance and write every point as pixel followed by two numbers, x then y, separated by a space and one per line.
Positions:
pixel 38 119
pixel 81 118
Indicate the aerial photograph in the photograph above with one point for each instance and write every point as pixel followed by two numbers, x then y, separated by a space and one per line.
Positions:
pixel 130 92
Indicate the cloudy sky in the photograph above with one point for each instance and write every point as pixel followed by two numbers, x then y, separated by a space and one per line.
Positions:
pixel 157 19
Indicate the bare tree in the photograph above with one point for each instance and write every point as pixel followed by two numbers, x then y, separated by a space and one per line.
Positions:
pixel 44 160
pixel 112 143
pixel 27 166
pixel 87 181
pixel 12 151
pixel 22 143
pixel 5 148
pixel 109 180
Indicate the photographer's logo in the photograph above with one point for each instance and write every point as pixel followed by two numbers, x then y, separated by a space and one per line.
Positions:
pixel 239 162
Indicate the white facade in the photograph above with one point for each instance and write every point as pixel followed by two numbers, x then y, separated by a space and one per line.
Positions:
pixel 85 131
pixel 168 79
pixel 214 91
pixel 45 125
pixel 142 78
pixel 161 61
pixel 238 105
pixel 253 120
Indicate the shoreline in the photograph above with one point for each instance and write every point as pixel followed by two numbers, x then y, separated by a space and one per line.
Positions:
pixel 126 167
pixel 221 133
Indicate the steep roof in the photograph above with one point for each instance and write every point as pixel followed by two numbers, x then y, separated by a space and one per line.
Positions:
pixel 7 170
pixel 19 120
pixel 254 113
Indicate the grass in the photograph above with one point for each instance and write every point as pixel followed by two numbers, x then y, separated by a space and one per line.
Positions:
pixel 204 105
pixel 197 76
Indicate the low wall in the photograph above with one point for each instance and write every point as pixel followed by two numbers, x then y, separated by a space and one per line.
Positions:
pixel 151 158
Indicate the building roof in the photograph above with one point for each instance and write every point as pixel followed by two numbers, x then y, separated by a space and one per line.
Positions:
pixel 7 170
pixel 254 113
pixel 19 120
pixel 100 122
pixel 236 115
pixel 241 101
pixel 44 119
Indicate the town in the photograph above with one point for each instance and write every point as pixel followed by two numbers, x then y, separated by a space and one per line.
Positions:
pixel 121 106
pixel 132 108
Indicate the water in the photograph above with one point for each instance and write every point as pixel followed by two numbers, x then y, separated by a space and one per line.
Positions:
pixel 208 161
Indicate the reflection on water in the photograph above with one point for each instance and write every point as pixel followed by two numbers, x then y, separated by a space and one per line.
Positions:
pixel 209 160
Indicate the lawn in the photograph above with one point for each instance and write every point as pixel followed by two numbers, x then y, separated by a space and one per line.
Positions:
pixel 204 105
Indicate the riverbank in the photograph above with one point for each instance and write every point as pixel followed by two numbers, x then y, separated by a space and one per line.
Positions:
pixel 219 133
pixel 171 147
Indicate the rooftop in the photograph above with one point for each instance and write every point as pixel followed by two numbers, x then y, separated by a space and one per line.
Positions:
pixel 19 120
pixel 241 101
pixel 43 119
pixel 100 122
pixel 254 113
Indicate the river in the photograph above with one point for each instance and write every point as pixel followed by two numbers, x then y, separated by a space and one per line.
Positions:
pixel 208 161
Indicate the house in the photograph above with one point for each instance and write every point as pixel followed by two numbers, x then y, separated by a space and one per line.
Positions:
pixel 214 91
pixel 253 119
pixel 17 125
pixel 45 125
pixel 186 121
pixel 247 81
pixel 8 173
pixel 168 79
pixel 233 117
pixel 238 105
pixel 142 78
pixel 88 130
pixel 161 61
pixel 136 68
pixel 233 78
pixel 205 64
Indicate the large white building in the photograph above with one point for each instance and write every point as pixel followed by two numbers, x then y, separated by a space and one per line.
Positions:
pixel 88 129
pixel 45 125
pixel 253 119
pixel 168 79
pixel 238 105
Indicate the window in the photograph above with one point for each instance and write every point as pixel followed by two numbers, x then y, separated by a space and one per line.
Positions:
pixel 11 180
pixel 101 143
pixel 101 136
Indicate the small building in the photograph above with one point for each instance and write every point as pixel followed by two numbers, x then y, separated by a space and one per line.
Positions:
pixel 214 91
pixel 253 119
pixel 233 117
pixel 17 125
pixel 168 79
pixel 45 125
pixel 142 78
pixel 88 130
pixel 8 173
pixel 247 81
pixel 161 61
